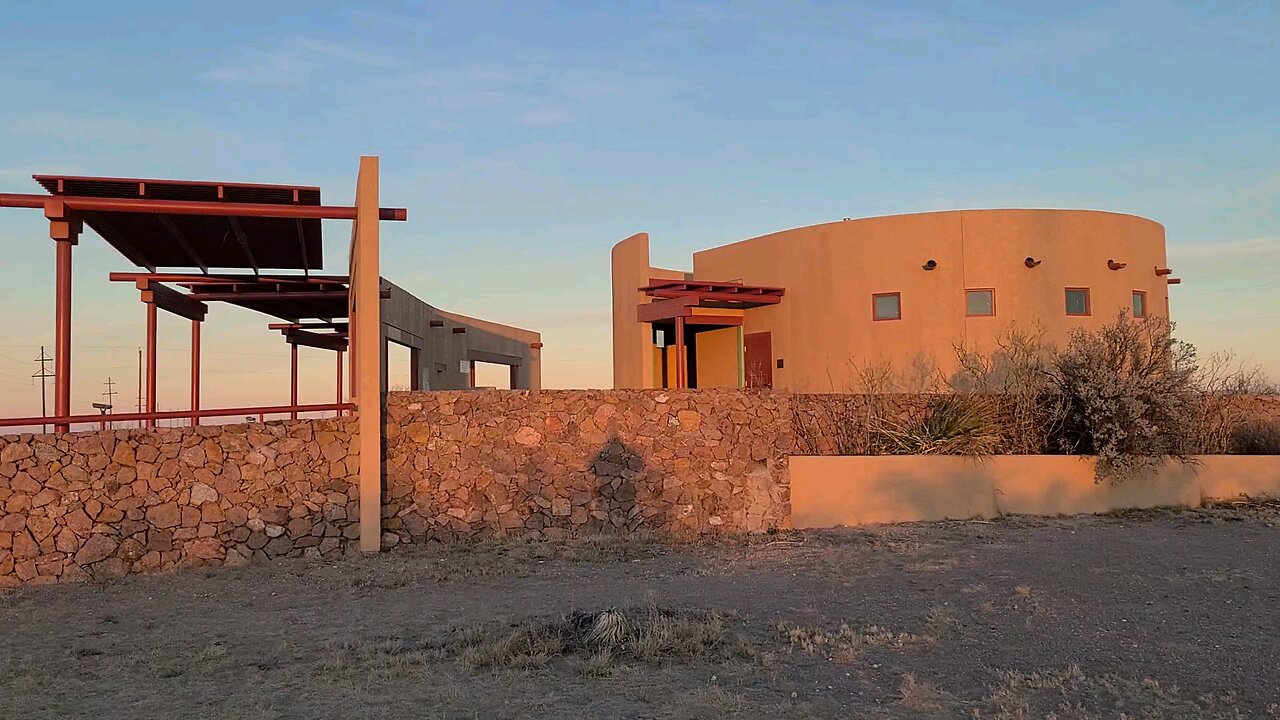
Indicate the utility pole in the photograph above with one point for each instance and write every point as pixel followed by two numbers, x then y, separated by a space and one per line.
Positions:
pixel 44 373
pixel 110 395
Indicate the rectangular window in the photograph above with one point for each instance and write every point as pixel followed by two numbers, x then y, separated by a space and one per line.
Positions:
pixel 980 303
pixel 886 306
pixel 1139 304
pixel 1077 301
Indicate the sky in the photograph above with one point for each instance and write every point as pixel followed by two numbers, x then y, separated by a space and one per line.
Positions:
pixel 526 138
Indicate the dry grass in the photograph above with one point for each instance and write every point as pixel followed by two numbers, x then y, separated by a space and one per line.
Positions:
pixel 604 640
pixel 916 694
pixel 1070 694
pixel 844 645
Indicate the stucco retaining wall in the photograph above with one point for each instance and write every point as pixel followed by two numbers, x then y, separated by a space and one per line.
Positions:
pixel 102 504
pixel 847 491
pixel 465 465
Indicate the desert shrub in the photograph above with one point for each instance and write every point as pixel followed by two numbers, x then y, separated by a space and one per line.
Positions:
pixel 1227 389
pixel 1019 374
pixel 1257 436
pixel 950 425
pixel 1128 395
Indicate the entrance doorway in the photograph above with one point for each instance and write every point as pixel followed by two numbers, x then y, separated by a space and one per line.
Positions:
pixel 759 359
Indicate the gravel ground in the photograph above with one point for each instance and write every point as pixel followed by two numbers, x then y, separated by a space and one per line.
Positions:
pixel 1161 614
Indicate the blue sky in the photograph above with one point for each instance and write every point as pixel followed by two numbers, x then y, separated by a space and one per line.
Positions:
pixel 527 137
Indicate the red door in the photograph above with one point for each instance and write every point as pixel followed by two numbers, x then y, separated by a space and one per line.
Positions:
pixel 759 360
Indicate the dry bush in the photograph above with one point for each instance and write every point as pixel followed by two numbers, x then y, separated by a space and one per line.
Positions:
pixel 1019 374
pixel 1257 436
pixel 648 634
pixel 1129 396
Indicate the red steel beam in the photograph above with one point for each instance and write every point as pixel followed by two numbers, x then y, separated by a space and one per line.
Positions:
pixel 195 207
pixel 719 296
pixel 281 295
pixel 228 279
pixel 175 414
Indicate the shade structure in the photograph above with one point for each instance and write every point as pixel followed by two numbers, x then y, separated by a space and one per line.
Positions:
pixel 152 238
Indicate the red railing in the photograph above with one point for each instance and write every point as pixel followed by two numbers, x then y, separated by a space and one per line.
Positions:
pixel 98 419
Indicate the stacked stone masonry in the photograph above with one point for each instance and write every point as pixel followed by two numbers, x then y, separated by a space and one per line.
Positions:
pixel 103 504
pixel 553 463
pixel 458 466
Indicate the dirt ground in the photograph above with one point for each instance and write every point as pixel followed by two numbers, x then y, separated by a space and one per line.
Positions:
pixel 1157 614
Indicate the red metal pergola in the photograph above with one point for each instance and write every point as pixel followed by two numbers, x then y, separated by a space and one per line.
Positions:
pixel 676 300
pixel 180 225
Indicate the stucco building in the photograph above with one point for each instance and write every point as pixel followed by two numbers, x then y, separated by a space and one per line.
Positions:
pixel 797 309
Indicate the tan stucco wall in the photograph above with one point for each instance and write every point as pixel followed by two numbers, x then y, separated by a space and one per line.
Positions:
pixel 718 358
pixel 830 272
pixel 835 491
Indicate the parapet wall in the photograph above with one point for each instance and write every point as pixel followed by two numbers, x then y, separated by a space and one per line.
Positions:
pixel 466 465
pixel 102 504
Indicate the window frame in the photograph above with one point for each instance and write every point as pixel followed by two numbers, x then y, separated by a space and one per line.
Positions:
pixel 1088 301
pixel 1145 308
pixel 991 291
pixel 874 296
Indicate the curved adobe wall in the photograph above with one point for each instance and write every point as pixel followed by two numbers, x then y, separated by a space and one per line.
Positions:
pixel 830 272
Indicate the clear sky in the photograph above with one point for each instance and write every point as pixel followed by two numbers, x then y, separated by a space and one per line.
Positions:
pixel 525 138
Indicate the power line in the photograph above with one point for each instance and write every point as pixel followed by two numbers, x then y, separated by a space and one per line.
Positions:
pixel 43 373
pixel 1231 289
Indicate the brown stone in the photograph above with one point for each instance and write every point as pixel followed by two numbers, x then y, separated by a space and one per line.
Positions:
pixel 193 456
pixel 110 515
pixel 166 515
pixel 279 546
pixel 14 452
pixel 13 522
pixel 205 549
pixel 160 540
pixel 124 455
pixel 96 548
pixel 190 516
pixel 24 483
pixel 44 497
pixel 237 515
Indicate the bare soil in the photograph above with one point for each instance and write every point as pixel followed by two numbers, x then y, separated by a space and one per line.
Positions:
pixel 1162 614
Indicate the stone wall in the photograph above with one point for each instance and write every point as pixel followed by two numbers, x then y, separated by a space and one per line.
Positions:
pixel 466 465
pixel 101 504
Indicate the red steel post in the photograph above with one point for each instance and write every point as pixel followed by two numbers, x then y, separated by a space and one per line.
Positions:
pixel 293 380
pixel 338 399
pixel 195 372
pixel 151 362
pixel 62 333
pixel 680 366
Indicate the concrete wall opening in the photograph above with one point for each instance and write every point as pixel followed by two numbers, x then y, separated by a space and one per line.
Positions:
pixel 493 376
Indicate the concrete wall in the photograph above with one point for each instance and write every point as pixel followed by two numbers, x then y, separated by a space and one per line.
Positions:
pixel 848 491
pixel 438 353
pixel 830 272
pixel 465 465
pixel 102 504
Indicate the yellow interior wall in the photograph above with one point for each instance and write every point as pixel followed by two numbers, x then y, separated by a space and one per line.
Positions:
pixel 718 358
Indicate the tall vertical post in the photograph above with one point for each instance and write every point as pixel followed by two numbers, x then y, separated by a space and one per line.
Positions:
pixel 680 364
pixel 471 374
pixel 415 369
pixel 742 358
pixel 151 362
pixel 64 229
pixel 293 381
pixel 338 398
pixel 366 336
pixel 515 377
pixel 195 372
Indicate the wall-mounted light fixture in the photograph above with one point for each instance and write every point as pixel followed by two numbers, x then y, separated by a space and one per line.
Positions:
pixel 931 264
pixel 1113 265
pixel 1031 262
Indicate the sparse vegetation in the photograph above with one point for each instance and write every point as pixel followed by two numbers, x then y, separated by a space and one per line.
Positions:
pixel 1256 436
pixel 949 425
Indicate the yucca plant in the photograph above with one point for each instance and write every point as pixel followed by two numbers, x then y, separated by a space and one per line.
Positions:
pixel 952 424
